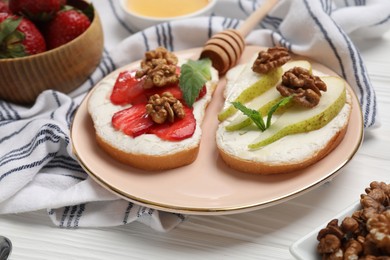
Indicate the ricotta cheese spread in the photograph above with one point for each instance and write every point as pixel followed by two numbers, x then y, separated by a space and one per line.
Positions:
pixel 289 149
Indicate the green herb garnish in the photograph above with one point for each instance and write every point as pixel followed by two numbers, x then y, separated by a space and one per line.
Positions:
pixel 281 103
pixel 257 117
pixel 254 115
pixel 193 75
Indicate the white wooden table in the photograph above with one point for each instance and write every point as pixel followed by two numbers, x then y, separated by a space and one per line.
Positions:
pixel 262 234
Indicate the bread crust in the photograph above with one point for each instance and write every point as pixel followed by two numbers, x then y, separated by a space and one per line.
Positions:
pixel 254 167
pixel 288 155
pixel 150 162
pixel 173 156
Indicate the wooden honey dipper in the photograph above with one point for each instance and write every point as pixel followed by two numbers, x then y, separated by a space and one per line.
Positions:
pixel 225 48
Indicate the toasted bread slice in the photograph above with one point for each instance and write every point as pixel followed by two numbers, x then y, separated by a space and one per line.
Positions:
pixel 147 151
pixel 290 153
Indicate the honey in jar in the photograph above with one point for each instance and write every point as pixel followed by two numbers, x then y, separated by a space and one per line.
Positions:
pixel 165 8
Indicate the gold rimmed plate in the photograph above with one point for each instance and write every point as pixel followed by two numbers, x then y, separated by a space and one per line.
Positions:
pixel 208 186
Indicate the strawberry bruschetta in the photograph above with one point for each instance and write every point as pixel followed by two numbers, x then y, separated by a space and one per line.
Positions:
pixel 150 116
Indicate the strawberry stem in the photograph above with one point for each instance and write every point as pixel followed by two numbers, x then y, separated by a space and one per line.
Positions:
pixel 11 39
pixel 7 27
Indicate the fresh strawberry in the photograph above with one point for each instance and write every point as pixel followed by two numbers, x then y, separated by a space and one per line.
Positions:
pixel 66 25
pixel 202 92
pixel 36 10
pixel 178 130
pixel 127 89
pixel 4 7
pixel 19 37
pixel 132 121
pixel 174 89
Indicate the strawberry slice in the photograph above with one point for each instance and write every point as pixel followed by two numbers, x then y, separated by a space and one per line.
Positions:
pixel 202 92
pixel 174 89
pixel 127 89
pixel 178 130
pixel 132 121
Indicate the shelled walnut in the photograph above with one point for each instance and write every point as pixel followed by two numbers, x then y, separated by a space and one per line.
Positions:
pixel 305 87
pixel 270 59
pixel 160 68
pixel 363 235
pixel 164 107
pixel 379 231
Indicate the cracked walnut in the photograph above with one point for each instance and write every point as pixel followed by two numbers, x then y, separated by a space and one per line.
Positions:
pixel 164 108
pixel 364 235
pixel 159 67
pixel 305 87
pixel 270 59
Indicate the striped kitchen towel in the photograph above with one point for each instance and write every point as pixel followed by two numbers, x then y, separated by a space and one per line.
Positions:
pixel 37 167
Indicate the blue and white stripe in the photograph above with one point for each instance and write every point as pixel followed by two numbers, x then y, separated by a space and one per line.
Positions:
pixel 35 150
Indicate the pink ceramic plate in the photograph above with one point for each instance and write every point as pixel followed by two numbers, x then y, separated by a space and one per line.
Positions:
pixel 207 186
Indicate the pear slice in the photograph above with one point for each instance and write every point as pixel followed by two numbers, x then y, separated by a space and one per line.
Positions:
pixel 263 83
pixel 264 102
pixel 297 63
pixel 299 119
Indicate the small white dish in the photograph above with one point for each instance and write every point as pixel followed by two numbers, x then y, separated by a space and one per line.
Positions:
pixel 141 22
pixel 306 247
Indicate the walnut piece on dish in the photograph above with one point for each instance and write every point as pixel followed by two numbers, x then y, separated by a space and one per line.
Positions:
pixel 363 235
pixel 379 230
pixel 159 67
pixel 272 58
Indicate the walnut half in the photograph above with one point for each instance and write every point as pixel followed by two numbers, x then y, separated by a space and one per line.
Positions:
pixel 164 107
pixel 159 67
pixel 366 234
pixel 305 87
pixel 270 59
pixel 379 228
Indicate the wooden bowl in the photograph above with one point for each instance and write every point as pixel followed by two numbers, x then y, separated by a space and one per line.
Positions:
pixel 63 69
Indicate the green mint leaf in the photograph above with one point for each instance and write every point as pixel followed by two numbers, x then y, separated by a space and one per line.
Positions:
pixel 282 102
pixel 193 75
pixel 254 115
